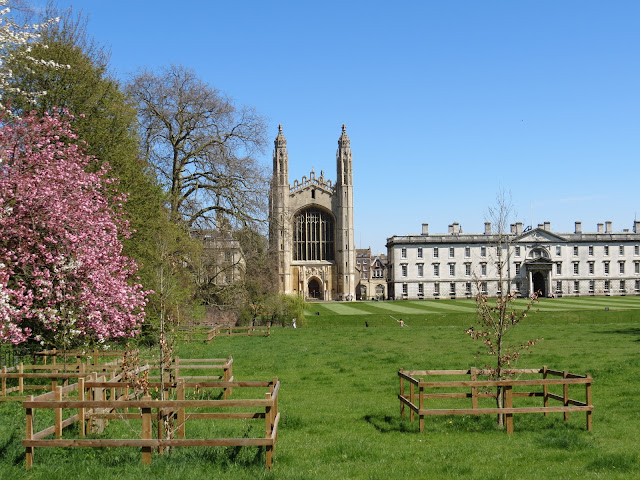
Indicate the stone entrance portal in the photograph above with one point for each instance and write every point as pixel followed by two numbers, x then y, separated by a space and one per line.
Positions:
pixel 539 284
pixel 314 289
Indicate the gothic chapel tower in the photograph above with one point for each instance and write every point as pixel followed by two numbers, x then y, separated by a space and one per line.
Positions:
pixel 346 252
pixel 311 227
pixel 279 218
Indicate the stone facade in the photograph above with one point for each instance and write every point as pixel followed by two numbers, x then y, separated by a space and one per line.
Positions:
pixel 311 227
pixel 371 272
pixel 222 261
pixel 456 265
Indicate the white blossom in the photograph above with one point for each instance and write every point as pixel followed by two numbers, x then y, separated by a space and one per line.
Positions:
pixel 12 37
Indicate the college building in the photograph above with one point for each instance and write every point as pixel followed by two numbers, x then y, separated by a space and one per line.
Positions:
pixel 311 227
pixel 458 265
pixel 371 275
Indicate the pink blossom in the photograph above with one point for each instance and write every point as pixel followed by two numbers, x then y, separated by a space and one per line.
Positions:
pixel 61 260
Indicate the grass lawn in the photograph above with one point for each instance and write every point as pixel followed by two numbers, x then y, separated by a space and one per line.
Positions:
pixel 340 412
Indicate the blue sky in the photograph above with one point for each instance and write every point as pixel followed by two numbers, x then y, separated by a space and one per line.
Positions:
pixel 445 102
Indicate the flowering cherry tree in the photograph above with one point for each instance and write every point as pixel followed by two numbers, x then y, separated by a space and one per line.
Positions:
pixel 61 262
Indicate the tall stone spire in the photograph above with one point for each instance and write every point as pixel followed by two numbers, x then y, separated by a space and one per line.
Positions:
pixel 279 216
pixel 345 169
pixel 345 247
pixel 280 158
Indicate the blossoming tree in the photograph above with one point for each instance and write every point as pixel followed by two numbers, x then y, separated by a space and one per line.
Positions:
pixel 16 41
pixel 62 271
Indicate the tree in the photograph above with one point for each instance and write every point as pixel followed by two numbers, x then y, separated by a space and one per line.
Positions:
pixel 62 272
pixel 201 147
pixel 260 280
pixel 496 317
pixel 16 42
pixel 104 118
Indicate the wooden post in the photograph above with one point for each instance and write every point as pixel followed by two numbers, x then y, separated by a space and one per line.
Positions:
pixel 474 390
pixel 181 415
pixel 545 390
pixel 176 371
pixel 508 403
pixel 95 356
pixel 81 410
pixel 421 400
pixel 275 405
pixel 268 420
pixel 588 402
pixel 146 431
pixel 4 381
pixel 161 422
pixel 565 395
pixel 401 395
pixel 98 424
pixel 412 400
pixel 29 435
pixel 112 395
pixel 58 413
pixel 54 358
pixel 20 379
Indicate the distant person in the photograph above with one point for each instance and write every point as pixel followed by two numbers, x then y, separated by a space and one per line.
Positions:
pixel 366 324
pixel 294 323
pixel 401 323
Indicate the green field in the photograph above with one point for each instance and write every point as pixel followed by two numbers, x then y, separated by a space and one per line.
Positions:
pixel 340 413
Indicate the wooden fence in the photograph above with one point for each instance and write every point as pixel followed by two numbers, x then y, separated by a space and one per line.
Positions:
pixel 196 366
pixel 15 381
pixel 94 357
pixel 209 333
pixel 475 389
pixel 102 400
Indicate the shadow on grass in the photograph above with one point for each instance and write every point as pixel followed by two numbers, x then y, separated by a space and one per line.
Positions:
pixel 626 331
pixel 11 450
pixel 555 432
pixel 615 463
pixel 388 423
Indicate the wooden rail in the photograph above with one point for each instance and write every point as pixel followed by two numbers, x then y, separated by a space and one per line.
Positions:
pixel 208 334
pixel 91 404
pixel 91 356
pixel 511 388
pixel 15 380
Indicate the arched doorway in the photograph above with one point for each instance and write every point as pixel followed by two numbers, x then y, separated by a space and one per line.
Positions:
pixel 539 284
pixel 363 292
pixel 315 290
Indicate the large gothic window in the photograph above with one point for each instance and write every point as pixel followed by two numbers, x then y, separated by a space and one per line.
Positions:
pixel 313 235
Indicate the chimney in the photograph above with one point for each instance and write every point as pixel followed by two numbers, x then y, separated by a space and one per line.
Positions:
pixel 578 227
pixel 608 227
pixel 425 229
pixel 636 226
pixel 513 228
pixel 456 228
pixel 450 228
pixel 518 228
pixel 600 228
pixel 487 228
pixel 547 226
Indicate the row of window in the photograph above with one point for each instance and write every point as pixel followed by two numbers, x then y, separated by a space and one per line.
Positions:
pixel 374 274
pixel 517 268
pixel 517 251
pixel 575 287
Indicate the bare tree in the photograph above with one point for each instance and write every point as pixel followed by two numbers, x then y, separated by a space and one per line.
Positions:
pixel 202 147
pixel 496 317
